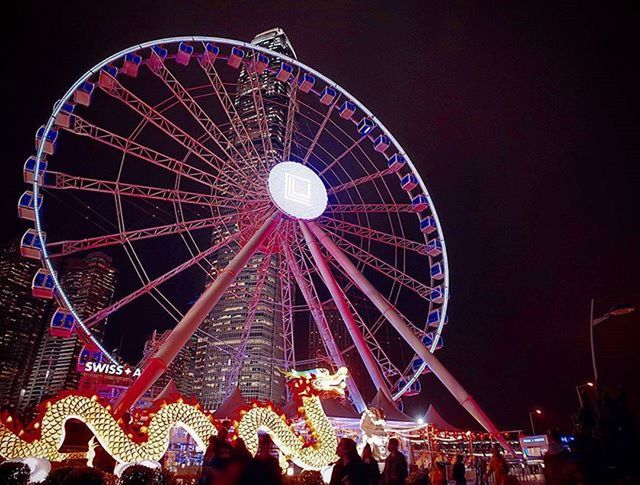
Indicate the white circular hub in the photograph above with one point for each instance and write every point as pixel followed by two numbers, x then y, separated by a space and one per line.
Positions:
pixel 297 190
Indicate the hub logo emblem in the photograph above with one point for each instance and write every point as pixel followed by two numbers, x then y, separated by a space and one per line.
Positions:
pixel 297 189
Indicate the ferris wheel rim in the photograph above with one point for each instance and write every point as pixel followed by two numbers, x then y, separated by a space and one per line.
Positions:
pixel 300 65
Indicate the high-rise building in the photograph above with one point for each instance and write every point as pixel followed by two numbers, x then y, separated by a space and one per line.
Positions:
pixel 216 364
pixel 89 283
pixel 21 321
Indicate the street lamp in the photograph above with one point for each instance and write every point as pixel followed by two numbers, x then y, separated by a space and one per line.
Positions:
pixel 615 311
pixel 588 384
pixel 533 428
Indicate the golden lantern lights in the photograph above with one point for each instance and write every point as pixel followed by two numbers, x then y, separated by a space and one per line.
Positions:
pixel 126 444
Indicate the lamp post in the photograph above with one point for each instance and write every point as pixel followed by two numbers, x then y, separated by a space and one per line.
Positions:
pixel 613 312
pixel 588 384
pixel 533 428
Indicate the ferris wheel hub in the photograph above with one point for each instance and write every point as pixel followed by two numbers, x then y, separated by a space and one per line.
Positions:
pixel 297 190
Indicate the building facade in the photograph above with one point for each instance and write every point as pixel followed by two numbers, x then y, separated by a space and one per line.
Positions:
pixel 219 366
pixel 21 322
pixel 89 283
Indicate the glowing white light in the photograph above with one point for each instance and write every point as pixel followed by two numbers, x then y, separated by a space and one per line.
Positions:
pixel 297 190
pixel 420 420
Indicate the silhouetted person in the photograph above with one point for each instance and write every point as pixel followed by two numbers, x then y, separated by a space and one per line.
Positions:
pixel 372 465
pixel 498 466
pixel 438 474
pixel 458 471
pixel 560 467
pixel 395 466
pixel 216 458
pixel 264 467
pixel 349 469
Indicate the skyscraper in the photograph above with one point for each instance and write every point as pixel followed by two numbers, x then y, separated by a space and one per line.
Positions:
pixel 21 321
pixel 218 366
pixel 89 283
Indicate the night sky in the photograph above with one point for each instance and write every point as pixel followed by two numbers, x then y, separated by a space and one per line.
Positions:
pixel 523 122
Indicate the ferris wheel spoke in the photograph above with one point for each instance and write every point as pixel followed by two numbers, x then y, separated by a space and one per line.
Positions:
pixel 130 147
pixel 210 128
pixel 320 129
pixel 261 113
pixel 310 295
pixel 340 301
pixel 118 91
pixel 346 152
pixel 64 181
pixel 380 266
pixel 152 284
pixel 292 108
pixel 64 248
pixel 256 298
pixel 387 367
pixel 369 208
pixel 373 235
pixel 359 181
pixel 238 126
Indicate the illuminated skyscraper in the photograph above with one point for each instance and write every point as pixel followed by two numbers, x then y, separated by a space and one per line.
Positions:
pixel 21 321
pixel 89 284
pixel 216 361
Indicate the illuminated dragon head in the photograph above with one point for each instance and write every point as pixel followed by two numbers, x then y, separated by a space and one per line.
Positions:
pixel 317 382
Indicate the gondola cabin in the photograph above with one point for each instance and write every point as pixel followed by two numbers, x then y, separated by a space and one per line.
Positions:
pixel 433 318
pixel 409 182
pixel 106 78
pixel 327 96
pixel 428 338
pixel 434 247
pixel 420 203
pixel 365 126
pixel 185 51
pixel 381 144
pixel 29 170
pixel 284 73
pixel 261 63
pixel 131 64
pixel 62 323
pixel 437 295
pixel 428 225
pixel 64 117
pixel 50 141
pixel 414 388
pixel 83 94
pixel 396 162
pixel 235 58
pixel 346 110
pixel 437 271
pixel 158 56
pixel 30 246
pixel 306 82
pixel 27 206
pixel 211 52
pixel 89 354
pixel 42 285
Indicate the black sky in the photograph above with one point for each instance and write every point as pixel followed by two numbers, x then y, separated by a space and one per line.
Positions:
pixel 523 121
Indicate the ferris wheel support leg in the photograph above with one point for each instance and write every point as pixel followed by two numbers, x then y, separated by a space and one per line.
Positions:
pixel 183 331
pixel 396 320
pixel 341 303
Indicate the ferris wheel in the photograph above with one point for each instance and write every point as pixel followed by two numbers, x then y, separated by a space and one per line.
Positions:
pixel 171 151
